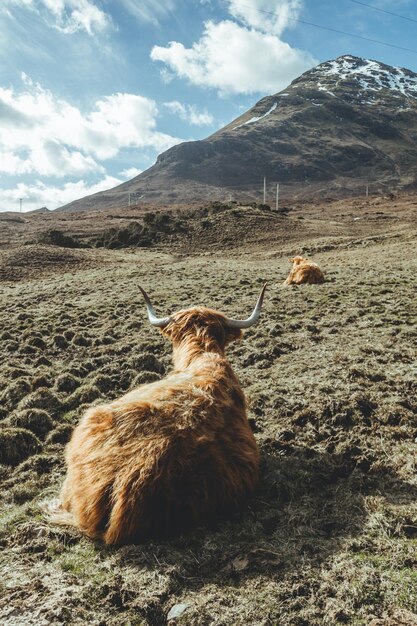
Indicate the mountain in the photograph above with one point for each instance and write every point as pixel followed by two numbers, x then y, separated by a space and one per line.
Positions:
pixel 339 127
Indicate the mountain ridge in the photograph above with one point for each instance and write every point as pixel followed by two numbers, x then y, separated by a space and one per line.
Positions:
pixel 347 123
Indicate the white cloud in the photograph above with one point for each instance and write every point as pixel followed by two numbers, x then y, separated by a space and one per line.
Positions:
pixel 189 113
pixel 37 194
pixel 69 16
pixel 46 135
pixel 131 172
pixel 271 16
pixel 13 164
pixel 235 59
pixel 150 11
pixel 126 120
pixel 49 159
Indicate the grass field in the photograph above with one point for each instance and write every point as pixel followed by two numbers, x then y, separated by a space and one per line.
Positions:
pixel 330 377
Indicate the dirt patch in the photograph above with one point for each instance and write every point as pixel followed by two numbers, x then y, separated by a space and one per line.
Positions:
pixel 36 260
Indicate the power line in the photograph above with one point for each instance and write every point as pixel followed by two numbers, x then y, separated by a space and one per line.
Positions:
pixel 334 30
pixel 371 6
pixel 342 32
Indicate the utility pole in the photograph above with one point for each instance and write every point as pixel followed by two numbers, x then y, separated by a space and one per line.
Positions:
pixel 129 200
pixel 367 190
pixel 264 189
pixel 20 202
pixel 277 198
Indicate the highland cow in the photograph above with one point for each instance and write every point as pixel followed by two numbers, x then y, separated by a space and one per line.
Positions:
pixel 304 271
pixel 171 454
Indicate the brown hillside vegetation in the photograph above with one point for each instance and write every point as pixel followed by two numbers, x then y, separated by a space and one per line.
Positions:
pixel 329 373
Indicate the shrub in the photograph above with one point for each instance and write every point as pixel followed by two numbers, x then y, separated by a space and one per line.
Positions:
pixel 37 421
pixel 218 207
pixel 149 218
pixel 16 391
pixel 154 226
pixel 148 362
pixel 23 492
pixel 40 381
pixel 81 340
pixel 59 238
pixel 37 342
pixel 60 342
pixel 17 372
pixel 84 395
pixel 42 398
pixel 103 383
pixel 61 434
pixel 42 361
pixel 67 383
pixel 107 340
pixel 40 463
pixel 16 444
pixel 134 234
pixel 144 377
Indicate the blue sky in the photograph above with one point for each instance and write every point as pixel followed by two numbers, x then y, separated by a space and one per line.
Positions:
pixel 91 91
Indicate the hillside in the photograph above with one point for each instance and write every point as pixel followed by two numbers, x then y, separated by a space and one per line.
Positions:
pixel 329 373
pixel 341 126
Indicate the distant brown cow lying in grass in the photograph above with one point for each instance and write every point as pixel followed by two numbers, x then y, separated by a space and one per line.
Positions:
pixel 169 454
pixel 304 272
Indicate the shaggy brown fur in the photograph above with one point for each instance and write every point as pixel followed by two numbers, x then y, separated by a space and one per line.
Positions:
pixel 304 271
pixel 170 454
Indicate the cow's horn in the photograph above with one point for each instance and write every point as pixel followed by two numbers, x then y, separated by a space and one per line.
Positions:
pixel 154 320
pixel 253 318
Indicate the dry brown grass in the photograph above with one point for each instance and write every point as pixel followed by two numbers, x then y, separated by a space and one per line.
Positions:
pixel 330 376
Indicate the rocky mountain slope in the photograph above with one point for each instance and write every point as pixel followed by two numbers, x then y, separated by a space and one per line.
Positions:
pixel 345 124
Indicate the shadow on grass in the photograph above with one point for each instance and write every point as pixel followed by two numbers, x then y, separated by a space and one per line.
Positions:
pixel 308 506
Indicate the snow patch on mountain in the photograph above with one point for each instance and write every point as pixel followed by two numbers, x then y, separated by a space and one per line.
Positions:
pixel 371 75
pixel 256 119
